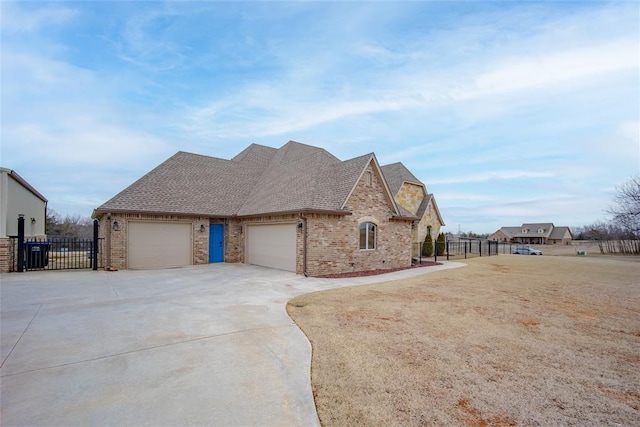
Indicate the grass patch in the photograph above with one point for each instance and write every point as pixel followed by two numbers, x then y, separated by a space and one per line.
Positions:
pixel 507 340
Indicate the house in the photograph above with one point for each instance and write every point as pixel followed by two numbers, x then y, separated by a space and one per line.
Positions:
pixel 411 195
pixel 534 233
pixel 505 234
pixel 296 208
pixel 18 197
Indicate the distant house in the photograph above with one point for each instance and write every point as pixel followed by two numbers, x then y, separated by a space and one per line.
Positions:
pixel 534 233
pixel 18 197
pixel 296 208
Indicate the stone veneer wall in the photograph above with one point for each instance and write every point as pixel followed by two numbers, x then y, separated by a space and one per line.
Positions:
pixel 7 254
pixel 410 196
pixel 200 250
pixel 428 219
pixel 333 240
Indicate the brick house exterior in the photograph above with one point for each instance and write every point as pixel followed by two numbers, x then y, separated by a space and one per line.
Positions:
pixel 534 233
pixel 334 216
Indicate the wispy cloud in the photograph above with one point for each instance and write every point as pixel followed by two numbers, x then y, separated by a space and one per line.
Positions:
pixel 493 176
pixel 19 19
pixel 484 102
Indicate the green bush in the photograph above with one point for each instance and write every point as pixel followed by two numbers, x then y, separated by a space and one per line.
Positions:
pixel 440 244
pixel 427 246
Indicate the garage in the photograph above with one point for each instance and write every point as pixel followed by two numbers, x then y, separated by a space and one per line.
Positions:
pixel 272 245
pixel 159 244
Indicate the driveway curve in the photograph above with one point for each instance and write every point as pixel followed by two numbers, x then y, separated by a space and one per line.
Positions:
pixel 202 345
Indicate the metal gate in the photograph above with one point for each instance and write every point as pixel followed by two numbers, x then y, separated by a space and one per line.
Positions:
pixel 55 253
pixel 60 254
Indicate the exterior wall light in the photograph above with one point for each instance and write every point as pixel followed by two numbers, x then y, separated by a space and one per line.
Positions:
pixel 202 228
pixel 33 220
pixel 116 226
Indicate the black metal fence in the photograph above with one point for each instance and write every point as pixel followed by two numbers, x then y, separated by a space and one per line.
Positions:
pixel 55 254
pixel 58 254
pixel 457 249
pixel 471 248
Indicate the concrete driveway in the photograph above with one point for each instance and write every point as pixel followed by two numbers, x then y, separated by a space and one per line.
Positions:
pixel 202 345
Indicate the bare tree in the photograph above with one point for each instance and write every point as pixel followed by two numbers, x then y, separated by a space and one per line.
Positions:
pixel 626 211
pixel 69 226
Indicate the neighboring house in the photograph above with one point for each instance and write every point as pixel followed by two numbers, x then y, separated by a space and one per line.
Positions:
pixel 534 233
pixel 505 234
pixel 18 197
pixel 296 208
pixel 412 195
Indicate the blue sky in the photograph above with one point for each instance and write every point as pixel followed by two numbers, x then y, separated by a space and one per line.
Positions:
pixel 509 112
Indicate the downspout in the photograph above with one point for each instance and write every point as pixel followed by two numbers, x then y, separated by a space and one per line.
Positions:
pixel 108 263
pixel 304 246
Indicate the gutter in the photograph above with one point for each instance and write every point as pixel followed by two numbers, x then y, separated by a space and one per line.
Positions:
pixel 304 245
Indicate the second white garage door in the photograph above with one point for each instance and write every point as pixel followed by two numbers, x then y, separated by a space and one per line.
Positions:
pixel 159 244
pixel 272 246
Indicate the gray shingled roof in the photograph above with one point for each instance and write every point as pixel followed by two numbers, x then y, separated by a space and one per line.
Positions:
pixel 533 230
pixel 510 231
pixel 258 180
pixel 397 173
pixel 291 180
pixel 190 184
pixel 559 232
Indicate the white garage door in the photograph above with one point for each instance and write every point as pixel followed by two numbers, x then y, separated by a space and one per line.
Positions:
pixel 159 244
pixel 272 246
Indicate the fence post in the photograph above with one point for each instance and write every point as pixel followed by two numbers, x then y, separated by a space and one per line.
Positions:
pixel 20 243
pixel 480 247
pixel 94 245
pixel 447 250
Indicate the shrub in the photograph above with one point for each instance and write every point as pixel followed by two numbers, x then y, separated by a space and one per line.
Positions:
pixel 440 244
pixel 427 246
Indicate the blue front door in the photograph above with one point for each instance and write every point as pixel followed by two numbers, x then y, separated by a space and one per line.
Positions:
pixel 216 242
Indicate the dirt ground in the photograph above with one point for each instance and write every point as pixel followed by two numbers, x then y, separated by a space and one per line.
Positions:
pixel 507 340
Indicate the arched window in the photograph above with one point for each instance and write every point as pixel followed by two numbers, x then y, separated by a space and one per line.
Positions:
pixel 368 232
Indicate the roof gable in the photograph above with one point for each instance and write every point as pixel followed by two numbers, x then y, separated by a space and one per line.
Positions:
pixel 258 180
pixel 560 233
pixel 371 159
pixel 422 210
pixel 396 174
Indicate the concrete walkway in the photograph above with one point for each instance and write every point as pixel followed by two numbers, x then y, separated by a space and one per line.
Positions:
pixel 202 345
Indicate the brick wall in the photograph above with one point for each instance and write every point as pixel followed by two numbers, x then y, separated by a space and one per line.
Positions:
pixel 118 238
pixel 237 240
pixel 334 241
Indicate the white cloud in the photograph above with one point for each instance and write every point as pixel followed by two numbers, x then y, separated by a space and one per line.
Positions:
pixel 17 17
pixel 525 73
pixel 493 176
pixel 83 141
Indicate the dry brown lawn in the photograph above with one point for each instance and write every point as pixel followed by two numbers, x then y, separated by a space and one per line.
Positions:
pixel 507 340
